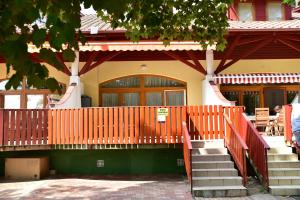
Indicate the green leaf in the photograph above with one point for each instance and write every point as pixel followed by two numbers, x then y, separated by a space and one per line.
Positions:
pixel 68 55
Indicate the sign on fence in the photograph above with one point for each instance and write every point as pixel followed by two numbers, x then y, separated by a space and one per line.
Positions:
pixel 162 113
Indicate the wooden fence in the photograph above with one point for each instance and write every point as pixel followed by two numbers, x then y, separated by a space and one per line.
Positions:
pixel 187 153
pixel 23 127
pixel 133 125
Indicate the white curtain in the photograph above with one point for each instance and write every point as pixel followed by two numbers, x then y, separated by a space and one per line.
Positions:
pixel 153 99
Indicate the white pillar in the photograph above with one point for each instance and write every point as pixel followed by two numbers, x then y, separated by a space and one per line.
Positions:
pixel 72 97
pixel 297 3
pixel 210 93
pixel 210 62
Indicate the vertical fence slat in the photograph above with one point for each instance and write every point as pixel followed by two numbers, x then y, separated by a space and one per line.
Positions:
pixel 67 127
pixel 81 126
pixel 100 112
pixel 221 122
pixel 6 126
pixel 196 122
pixel 12 127
pixel 173 124
pixel 40 124
pixel 142 125
pixel 28 130
pixel 55 124
pixel 34 126
pixel 205 122
pixel 136 124
pixel 163 132
pixel 157 129
pixel 76 126
pixel 96 125
pixel 45 125
pixel 121 126
pixel 50 127
pixel 72 120
pixel 111 125
pixel 58 126
pixel 62 128
pixel 23 130
pixel 216 129
pixel 106 130
pixel 116 126
pixel 131 125
pixel 179 116
pixel 168 126
pixel 85 125
pixel 126 128
pixel 152 125
pixel 211 133
pixel 90 128
pixel 147 125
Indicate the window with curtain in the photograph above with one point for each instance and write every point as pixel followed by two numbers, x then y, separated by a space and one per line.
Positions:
pixel 245 11
pixel 274 11
pixel 142 90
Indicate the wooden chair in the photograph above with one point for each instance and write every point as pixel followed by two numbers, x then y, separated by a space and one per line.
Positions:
pixel 262 120
pixel 279 123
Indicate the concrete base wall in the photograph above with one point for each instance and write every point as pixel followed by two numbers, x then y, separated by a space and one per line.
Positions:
pixel 116 161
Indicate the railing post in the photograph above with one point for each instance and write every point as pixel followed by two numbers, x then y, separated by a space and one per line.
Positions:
pixel 1 126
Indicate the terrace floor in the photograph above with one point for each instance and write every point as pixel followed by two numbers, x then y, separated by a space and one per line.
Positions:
pixel 110 188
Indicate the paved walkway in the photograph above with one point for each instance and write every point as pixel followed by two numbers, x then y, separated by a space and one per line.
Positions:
pixel 110 188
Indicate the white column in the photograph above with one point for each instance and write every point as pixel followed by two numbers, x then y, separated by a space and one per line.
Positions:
pixel 297 3
pixel 72 97
pixel 210 62
pixel 210 93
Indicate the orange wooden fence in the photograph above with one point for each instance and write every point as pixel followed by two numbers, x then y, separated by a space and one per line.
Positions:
pixel 133 125
pixel 115 125
pixel 288 135
pixel 23 127
pixel 205 122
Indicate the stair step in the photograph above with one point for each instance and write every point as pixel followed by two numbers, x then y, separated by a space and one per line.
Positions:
pixel 207 151
pixel 284 180
pixel 284 164
pixel 285 190
pixel 280 150
pixel 217 181
pixel 211 157
pixel 282 157
pixel 220 191
pixel 284 172
pixel 207 143
pixel 215 172
pixel 212 164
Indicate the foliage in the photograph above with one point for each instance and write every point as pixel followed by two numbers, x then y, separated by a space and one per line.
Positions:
pixel 58 22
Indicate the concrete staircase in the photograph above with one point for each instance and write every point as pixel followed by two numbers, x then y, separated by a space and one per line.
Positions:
pixel 213 171
pixel 284 168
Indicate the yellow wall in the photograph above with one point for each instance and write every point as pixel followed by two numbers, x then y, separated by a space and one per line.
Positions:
pixel 173 69
pixel 58 75
pixel 265 66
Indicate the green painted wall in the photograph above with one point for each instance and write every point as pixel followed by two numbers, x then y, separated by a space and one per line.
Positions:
pixel 117 161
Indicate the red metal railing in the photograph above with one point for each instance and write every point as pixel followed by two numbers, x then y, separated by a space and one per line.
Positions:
pixel 187 153
pixel 20 127
pixel 287 109
pixel 258 148
pixel 237 147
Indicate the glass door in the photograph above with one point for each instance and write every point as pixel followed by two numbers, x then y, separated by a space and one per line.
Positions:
pixel 274 97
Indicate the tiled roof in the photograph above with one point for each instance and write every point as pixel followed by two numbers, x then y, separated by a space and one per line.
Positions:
pixel 89 21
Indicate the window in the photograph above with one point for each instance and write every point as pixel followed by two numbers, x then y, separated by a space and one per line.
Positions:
pixel 142 90
pixel 245 11
pixel 274 11
pixel 23 97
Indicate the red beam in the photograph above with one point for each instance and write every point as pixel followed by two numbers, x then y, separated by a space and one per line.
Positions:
pixel 291 45
pixel 251 51
pixel 196 61
pixel 65 68
pixel 176 57
pixel 102 60
pixel 249 41
pixel 228 51
pixel 89 61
